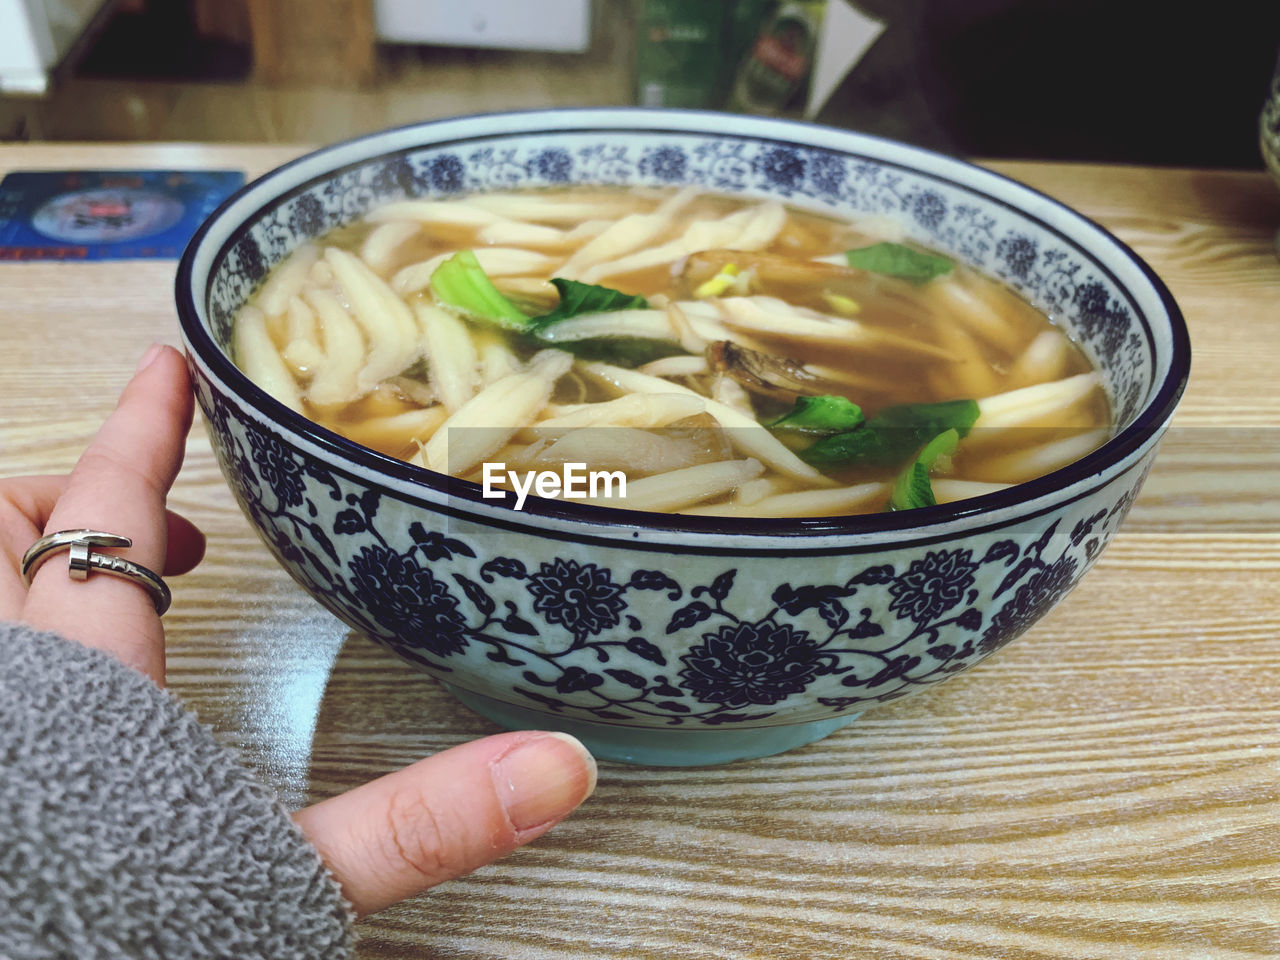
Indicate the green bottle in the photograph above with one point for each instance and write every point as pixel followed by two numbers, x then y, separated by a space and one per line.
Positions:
pixel 679 53
pixel 775 73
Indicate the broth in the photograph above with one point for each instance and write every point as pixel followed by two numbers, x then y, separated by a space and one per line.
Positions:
pixel 765 371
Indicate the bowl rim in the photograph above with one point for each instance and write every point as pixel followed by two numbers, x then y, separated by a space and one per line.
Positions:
pixel 1146 425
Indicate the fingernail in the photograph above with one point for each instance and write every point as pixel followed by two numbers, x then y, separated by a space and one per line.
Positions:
pixel 542 780
pixel 153 351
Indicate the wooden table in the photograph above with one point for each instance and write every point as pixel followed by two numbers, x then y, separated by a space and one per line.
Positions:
pixel 1106 787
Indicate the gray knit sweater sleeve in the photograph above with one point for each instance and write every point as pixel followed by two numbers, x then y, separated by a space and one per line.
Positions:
pixel 127 831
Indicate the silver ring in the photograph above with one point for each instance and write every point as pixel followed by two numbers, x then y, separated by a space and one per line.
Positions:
pixel 84 559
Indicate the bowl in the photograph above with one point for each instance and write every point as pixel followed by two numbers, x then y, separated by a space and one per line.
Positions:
pixel 668 639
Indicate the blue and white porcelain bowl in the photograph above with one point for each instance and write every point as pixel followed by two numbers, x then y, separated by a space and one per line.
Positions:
pixel 665 639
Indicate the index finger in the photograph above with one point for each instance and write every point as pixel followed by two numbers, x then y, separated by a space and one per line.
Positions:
pixel 119 486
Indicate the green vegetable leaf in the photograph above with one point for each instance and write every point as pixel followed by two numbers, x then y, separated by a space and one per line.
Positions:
pixel 824 414
pixel 579 298
pixel 460 282
pixel 926 420
pixel 629 352
pixel 897 260
pixel 863 445
pixel 582 298
pixel 911 488
pixel 893 434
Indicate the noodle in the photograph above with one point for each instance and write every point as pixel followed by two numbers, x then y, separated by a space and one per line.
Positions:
pixel 680 337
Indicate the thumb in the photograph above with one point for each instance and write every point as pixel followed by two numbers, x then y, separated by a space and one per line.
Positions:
pixel 448 814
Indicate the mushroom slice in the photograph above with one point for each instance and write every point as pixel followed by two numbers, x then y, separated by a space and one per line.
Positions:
pixel 778 377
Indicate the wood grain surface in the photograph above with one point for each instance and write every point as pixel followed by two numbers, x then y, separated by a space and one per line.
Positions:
pixel 1106 787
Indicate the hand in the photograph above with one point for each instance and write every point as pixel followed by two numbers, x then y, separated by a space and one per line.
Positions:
pixel 384 841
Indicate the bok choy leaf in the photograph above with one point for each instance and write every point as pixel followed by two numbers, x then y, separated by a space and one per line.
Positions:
pixel 898 260
pixel 911 488
pixel 578 298
pixel 461 283
pixel 825 414
pixel 892 435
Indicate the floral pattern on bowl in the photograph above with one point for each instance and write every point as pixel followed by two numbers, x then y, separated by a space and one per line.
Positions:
pixel 668 639
pixel 608 635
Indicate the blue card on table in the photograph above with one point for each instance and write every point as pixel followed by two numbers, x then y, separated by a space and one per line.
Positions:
pixel 107 214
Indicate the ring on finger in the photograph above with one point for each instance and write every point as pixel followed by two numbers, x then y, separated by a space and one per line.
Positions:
pixel 84 560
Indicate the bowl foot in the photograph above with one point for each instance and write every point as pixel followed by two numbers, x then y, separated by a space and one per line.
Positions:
pixel 657 746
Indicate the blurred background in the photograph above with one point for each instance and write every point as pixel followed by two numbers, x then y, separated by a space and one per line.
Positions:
pixel 1117 81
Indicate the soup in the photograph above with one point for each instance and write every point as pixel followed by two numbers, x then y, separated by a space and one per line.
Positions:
pixel 722 356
